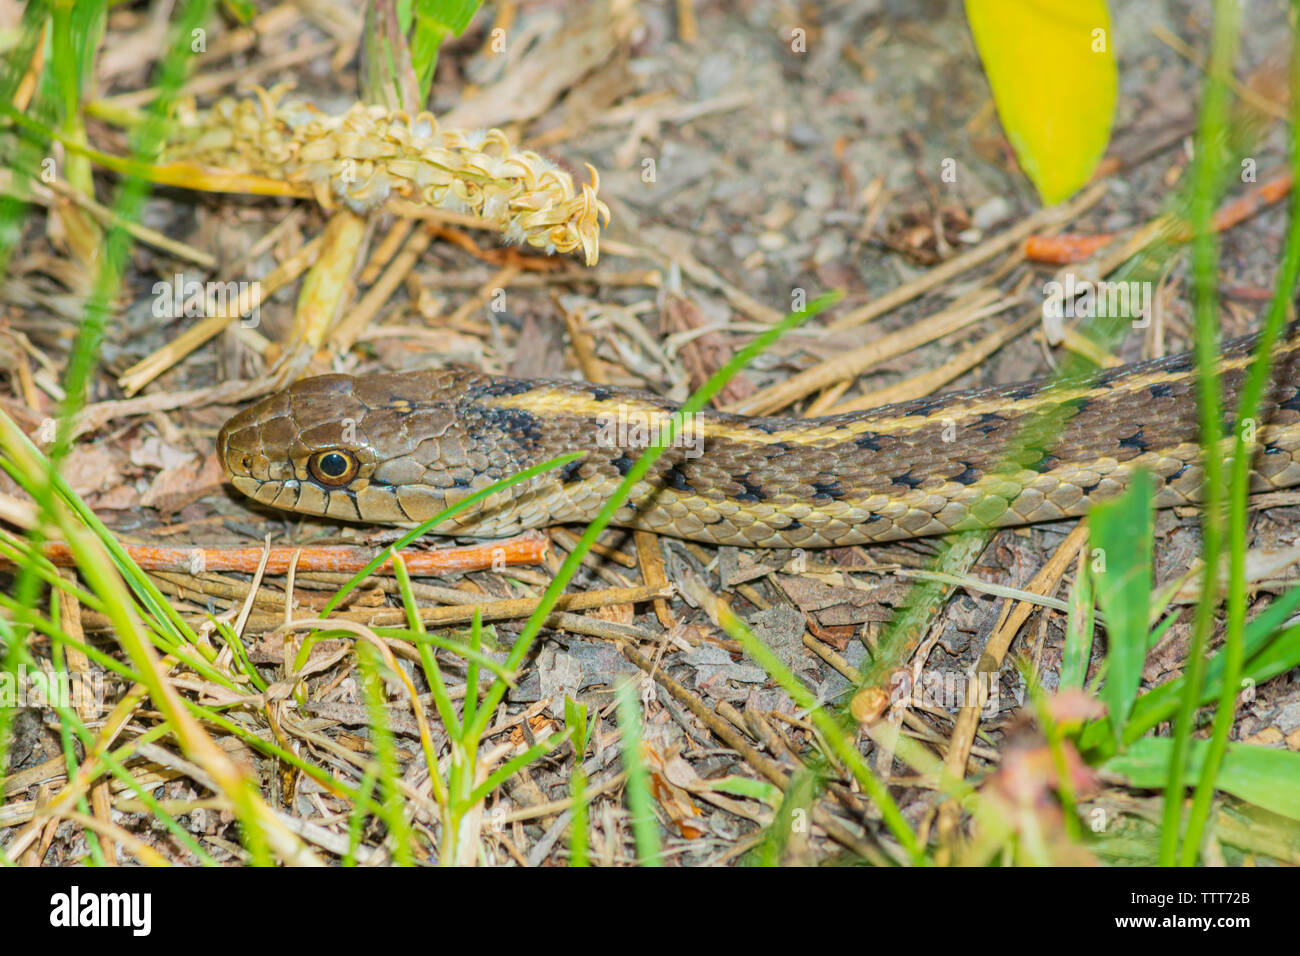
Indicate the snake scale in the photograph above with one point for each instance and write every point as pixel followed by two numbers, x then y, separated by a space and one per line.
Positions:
pixel 396 448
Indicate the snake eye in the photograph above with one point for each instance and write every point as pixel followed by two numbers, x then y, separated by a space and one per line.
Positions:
pixel 334 467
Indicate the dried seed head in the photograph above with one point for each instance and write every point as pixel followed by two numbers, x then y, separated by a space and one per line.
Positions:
pixel 368 155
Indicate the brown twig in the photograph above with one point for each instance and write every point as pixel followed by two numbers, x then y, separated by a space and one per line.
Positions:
pixel 1062 250
pixel 525 549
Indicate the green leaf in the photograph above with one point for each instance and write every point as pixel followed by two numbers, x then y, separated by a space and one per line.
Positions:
pixel 1263 776
pixel 578 824
pixel 1051 66
pixel 1121 567
pixel 575 719
pixel 452 16
pixel 640 804
pixel 1078 632
pixel 1269 652
pixel 434 21
pixel 242 11
pixel 791 817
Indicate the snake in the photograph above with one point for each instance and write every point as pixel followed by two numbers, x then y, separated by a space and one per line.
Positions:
pixel 398 448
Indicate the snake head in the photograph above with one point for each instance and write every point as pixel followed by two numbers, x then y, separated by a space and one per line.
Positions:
pixel 303 449
pixel 385 449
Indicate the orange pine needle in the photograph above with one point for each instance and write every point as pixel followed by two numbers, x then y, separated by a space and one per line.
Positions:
pixel 1062 250
pixel 524 549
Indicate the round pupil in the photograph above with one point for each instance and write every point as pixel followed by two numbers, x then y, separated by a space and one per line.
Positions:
pixel 333 465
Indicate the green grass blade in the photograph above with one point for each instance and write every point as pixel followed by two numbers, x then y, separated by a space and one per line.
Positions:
pixel 512 766
pixel 439 518
pixel 1078 631
pixel 1205 183
pixel 640 805
pixel 432 672
pixel 393 806
pixel 1257 379
pixel 1269 652
pixel 793 817
pixel 434 21
pixel 841 743
pixel 1121 533
pixel 575 720
pixel 578 822
pixel 1264 776
pixel 635 474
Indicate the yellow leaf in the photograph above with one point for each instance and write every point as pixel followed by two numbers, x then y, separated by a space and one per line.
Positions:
pixel 1051 65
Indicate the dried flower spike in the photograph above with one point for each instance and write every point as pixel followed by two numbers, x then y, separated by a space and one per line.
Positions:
pixel 370 155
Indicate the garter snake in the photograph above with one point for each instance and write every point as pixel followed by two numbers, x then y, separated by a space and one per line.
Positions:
pixel 396 448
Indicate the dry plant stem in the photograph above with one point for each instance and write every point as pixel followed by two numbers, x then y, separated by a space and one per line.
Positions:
pixel 568 540
pixel 1064 249
pixel 147 369
pixel 89 768
pixel 514 608
pixel 327 285
pixel 593 561
pixel 345 332
pixel 94 417
pixel 911 623
pixel 699 273
pixel 364 633
pixel 496 256
pixel 936 277
pixel 484 293
pixel 144 234
pixel 229 590
pixel 1245 91
pixel 261 29
pixel 534 279
pixel 653 572
pixel 79 667
pixel 555 807
pixel 385 249
pixel 210 83
pixel 688 29
pixel 525 549
pixel 593 370
pixel 778 743
pixel 854 362
pixel 990 662
pixel 927 383
pixel 558 621
pixel 111 833
pixel 737 741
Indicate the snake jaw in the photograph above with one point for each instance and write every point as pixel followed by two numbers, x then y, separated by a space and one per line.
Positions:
pixel 237 462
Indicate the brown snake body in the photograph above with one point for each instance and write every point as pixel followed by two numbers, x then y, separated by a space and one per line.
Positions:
pixel 397 448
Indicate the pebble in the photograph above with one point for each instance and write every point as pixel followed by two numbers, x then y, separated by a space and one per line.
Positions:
pixel 803 135
pixel 990 213
pixel 819 194
pixel 743 245
pixel 831 249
